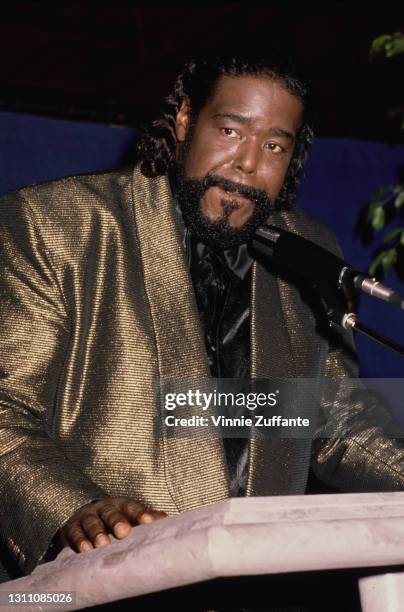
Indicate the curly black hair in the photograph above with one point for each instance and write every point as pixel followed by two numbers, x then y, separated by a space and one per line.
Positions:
pixel 157 140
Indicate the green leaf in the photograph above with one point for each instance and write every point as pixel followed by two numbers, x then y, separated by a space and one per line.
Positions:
pixel 371 209
pixel 379 43
pixel 386 259
pixel 378 218
pixel 396 45
pixel 402 239
pixel 392 234
pixel 391 44
pixel 376 264
pixel 399 199
pixel 389 258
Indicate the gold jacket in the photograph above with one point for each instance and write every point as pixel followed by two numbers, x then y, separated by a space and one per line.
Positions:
pixel 96 302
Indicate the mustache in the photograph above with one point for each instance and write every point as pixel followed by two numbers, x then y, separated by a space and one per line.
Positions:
pixel 257 196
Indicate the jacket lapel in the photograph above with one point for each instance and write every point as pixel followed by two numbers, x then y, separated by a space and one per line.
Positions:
pixel 195 465
pixel 283 345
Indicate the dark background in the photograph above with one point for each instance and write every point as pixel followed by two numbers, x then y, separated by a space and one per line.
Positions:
pixel 114 62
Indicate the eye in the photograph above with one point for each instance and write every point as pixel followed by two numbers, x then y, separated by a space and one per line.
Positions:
pixel 274 147
pixel 230 132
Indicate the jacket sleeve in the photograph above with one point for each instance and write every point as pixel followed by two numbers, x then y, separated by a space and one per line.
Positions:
pixel 39 487
pixel 359 447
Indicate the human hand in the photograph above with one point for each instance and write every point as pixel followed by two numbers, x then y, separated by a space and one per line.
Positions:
pixel 90 525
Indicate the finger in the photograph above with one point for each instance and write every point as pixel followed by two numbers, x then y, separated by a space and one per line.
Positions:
pixel 115 521
pixel 149 516
pixel 75 537
pixel 134 511
pixel 95 531
pixel 158 514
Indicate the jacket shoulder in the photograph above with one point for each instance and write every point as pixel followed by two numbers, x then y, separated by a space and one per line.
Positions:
pixel 80 190
pixel 307 226
pixel 70 202
pixel 68 214
pixel 312 225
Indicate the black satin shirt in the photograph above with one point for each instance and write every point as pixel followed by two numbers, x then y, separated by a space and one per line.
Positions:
pixel 222 282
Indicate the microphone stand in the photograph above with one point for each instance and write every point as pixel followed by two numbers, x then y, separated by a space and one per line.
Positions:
pixel 349 320
pixel 339 316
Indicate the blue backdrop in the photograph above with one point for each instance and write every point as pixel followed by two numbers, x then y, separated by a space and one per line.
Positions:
pixel 339 179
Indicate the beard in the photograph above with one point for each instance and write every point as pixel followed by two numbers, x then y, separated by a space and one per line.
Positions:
pixel 219 234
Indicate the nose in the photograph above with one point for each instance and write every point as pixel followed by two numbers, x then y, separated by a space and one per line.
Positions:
pixel 247 158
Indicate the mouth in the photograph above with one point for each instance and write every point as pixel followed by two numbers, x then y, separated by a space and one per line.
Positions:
pixel 219 204
pixel 234 196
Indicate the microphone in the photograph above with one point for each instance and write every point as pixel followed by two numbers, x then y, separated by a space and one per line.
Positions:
pixel 316 264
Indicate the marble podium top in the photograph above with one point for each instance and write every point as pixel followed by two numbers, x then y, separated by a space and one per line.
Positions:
pixel 242 536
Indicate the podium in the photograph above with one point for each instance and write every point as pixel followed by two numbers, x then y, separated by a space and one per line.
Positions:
pixel 254 536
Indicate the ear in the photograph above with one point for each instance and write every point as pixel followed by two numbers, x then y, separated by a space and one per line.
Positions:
pixel 182 119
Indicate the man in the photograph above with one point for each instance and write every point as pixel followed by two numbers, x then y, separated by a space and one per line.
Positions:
pixel 111 281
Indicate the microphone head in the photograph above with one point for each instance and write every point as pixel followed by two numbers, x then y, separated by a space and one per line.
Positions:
pixel 291 252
